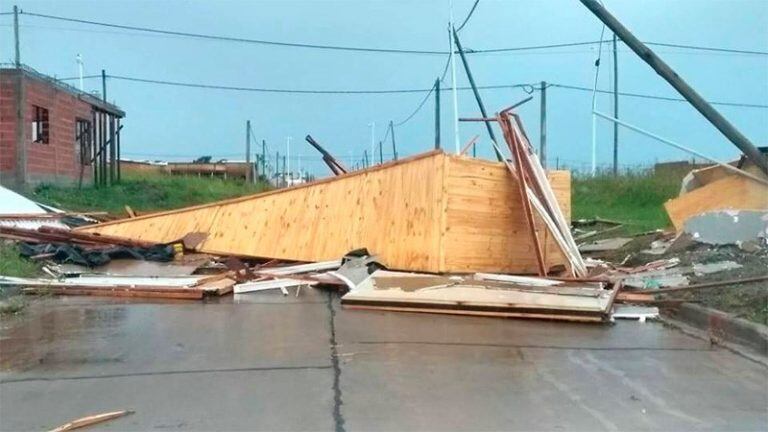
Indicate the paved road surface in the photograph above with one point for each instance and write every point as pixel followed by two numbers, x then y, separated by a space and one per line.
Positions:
pixel 266 362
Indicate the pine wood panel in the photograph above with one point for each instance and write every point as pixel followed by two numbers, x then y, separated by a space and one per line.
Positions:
pixel 732 192
pixel 485 227
pixel 432 212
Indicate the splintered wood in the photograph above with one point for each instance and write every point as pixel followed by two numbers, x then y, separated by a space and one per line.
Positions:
pixel 432 212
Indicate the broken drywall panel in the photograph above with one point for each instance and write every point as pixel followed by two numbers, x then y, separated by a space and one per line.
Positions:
pixel 728 227
pixel 702 269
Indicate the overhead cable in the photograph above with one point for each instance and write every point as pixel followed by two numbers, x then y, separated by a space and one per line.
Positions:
pixel 369 49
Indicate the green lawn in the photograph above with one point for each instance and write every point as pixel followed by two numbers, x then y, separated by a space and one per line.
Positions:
pixel 635 199
pixel 13 264
pixel 145 192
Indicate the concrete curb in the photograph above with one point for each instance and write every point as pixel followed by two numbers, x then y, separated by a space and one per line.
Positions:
pixel 722 327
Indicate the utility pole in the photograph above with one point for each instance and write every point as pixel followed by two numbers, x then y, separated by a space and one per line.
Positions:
pixel 666 72
pixel 249 172
pixel 437 113
pixel 477 94
pixel 615 109
pixel 264 158
pixel 453 89
pixel 543 126
pixel 103 85
pixel 288 153
pixel 394 148
pixel 16 35
pixel 381 153
pixel 20 100
pixel 285 177
pixel 373 139
pixel 80 69
pixel 277 168
pixel 365 158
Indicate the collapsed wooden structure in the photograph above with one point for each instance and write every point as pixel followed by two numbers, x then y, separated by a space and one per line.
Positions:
pixel 715 188
pixel 432 212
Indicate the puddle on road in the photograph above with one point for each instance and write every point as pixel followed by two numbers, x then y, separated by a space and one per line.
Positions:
pixel 57 336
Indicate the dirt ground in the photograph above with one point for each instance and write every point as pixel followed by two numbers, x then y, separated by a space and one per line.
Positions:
pixel 748 301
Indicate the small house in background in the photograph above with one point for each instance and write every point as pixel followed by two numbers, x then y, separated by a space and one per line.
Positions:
pixel 51 132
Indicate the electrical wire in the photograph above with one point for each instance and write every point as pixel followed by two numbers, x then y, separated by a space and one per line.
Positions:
pixel 525 86
pixel 368 49
pixel 426 97
pixel 233 39
pixel 469 15
pixel 647 96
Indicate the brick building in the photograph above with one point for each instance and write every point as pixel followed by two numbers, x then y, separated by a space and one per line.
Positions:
pixel 50 132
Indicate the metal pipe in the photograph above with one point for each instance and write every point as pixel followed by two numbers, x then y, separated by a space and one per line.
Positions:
pixel 682 147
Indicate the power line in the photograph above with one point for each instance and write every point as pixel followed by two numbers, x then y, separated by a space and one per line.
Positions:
pixel 234 39
pixel 469 15
pixel 647 96
pixel 702 48
pixel 404 91
pixel 426 97
pixel 290 91
pixel 370 49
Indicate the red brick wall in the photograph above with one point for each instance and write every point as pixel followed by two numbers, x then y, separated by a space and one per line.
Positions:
pixel 59 160
pixel 7 128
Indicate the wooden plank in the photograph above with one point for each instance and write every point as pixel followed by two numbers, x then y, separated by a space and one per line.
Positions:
pixel 556 317
pixel 117 292
pixel 732 192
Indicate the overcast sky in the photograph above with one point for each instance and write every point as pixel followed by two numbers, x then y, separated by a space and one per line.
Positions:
pixel 174 123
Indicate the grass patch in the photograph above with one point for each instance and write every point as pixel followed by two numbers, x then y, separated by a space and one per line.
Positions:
pixel 636 199
pixel 145 192
pixel 13 264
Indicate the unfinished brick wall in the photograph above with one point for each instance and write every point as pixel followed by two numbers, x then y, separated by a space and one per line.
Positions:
pixel 7 129
pixel 58 160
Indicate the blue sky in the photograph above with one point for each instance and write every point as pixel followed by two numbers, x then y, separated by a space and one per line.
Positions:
pixel 182 123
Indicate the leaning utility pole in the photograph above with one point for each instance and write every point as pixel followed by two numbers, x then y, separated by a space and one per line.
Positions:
pixel 437 113
pixel 666 72
pixel 249 172
pixel 477 93
pixel 615 109
pixel 543 126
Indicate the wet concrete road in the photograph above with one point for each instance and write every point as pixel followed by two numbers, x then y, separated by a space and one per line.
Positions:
pixel 266 362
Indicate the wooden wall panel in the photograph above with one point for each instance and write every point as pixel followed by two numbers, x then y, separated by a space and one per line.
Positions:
pixel 485 226
pixel 393 210
pixel 432 212
pixel 731 192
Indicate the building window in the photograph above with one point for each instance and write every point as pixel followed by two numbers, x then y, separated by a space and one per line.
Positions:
pixel 40 126
pixel 83 140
